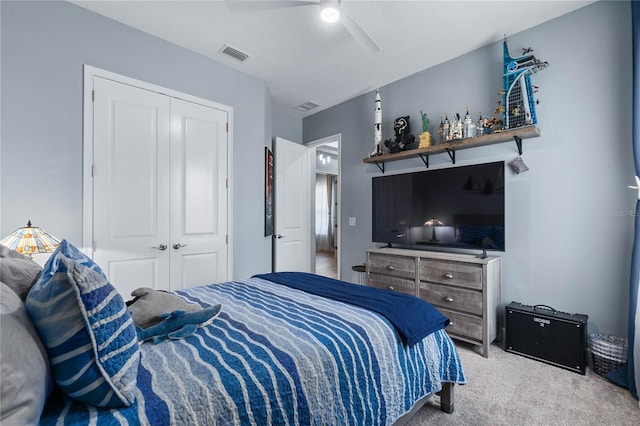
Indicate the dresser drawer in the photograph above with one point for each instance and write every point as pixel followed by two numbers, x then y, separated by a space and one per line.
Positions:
pixel 463 325
pixel 459 299
pixel 463 287
pixel 398 266
pixel 452 273
pixel 391 283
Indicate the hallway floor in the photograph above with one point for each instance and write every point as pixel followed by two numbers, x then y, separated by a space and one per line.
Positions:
pixel 326 264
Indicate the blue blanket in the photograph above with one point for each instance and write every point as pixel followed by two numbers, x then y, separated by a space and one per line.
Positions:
pixel 413 318
pixel 276 356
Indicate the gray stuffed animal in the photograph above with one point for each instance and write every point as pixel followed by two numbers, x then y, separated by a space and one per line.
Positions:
pixel 148 304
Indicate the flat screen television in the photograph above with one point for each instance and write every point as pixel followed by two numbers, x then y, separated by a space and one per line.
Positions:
pixel 457 207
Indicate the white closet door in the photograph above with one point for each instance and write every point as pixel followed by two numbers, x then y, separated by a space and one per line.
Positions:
pixel 198 195
pixel 131 181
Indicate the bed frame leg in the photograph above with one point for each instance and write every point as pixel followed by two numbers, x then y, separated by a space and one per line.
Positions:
pixel 447 396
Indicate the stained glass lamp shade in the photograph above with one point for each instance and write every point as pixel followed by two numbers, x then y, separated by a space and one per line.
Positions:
pixel 30 240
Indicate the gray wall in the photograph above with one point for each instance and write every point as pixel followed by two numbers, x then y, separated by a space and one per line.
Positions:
pixel 44 46
pixel 568 227
pixel 286 126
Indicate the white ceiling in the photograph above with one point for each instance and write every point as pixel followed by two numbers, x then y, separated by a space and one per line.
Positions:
pixel 304 59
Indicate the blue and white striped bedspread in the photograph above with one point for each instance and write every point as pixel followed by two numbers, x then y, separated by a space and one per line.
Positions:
pixel 277 356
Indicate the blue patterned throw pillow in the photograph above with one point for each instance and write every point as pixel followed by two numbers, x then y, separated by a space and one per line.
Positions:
pixel 87 329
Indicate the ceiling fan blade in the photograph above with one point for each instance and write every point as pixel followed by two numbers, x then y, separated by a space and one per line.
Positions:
pixel 358 33
pixel 266 4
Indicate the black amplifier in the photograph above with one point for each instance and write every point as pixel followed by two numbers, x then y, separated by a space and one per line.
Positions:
pixel 544 334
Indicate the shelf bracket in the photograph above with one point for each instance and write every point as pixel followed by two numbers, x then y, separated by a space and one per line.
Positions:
pixel 452 155
pixel 518 140
pixel 425 159
pixel 380 166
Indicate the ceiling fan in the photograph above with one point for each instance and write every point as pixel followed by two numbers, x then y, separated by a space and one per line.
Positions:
pixel 330 11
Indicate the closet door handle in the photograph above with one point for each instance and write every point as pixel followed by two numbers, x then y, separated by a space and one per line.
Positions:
pixel 161 247
pixel 178 246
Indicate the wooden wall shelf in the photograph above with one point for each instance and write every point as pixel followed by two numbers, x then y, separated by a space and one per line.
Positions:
pixel 451 147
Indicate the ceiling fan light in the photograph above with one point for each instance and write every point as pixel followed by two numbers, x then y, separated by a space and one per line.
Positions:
pixel 330 14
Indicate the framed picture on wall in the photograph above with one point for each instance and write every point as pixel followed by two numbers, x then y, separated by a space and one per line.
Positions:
pixel 268 192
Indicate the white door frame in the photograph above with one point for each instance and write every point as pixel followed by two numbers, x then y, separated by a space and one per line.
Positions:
pixel 312 229
pixel 87 144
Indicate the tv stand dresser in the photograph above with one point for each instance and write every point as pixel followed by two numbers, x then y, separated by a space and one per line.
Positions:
pixel 465 288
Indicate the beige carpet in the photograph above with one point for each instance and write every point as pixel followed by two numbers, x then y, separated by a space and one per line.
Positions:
pixel 509 389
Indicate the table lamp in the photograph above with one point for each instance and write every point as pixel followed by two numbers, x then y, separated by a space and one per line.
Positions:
pixel 433 222
pixel 30 240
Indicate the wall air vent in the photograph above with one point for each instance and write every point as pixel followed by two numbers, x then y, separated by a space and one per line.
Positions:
pixel 234 53
pixel 306 106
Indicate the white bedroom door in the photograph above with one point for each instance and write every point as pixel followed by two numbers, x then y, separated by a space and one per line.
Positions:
pixel 159 189
pixel 292 195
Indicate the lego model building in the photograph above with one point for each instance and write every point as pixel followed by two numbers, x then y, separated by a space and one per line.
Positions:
pixel 520 107
pixel 377 126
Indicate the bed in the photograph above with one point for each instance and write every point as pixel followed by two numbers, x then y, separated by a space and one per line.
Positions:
pixel 278 355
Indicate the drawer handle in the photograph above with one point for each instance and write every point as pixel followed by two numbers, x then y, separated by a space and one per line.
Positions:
pixel 450 324
pixel 391 268
pixel 448 276
pixel 448 299
pixel 391 287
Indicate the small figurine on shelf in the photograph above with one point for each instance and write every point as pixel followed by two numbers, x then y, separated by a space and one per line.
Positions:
pixel 496 125
pixel 425 136
pixel 455 130
pixel 403 138
pixel 486 126
pixel 441 131
pixel 445 128
pixel 468 127
pixel 480 125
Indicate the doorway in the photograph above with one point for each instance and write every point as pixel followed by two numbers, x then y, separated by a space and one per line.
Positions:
pixel 326 212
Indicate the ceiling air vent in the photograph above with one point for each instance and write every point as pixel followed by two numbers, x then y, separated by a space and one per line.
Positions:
pixel 306 106
pixel 234 53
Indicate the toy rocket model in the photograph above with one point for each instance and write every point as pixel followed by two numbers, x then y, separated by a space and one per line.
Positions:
pixel 377 125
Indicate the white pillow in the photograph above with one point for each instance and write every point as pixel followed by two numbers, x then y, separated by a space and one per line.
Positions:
pixel 26 377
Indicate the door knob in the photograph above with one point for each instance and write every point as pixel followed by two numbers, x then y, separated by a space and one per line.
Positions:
pixel 279 236
pixel 161 247
pixel 177 246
